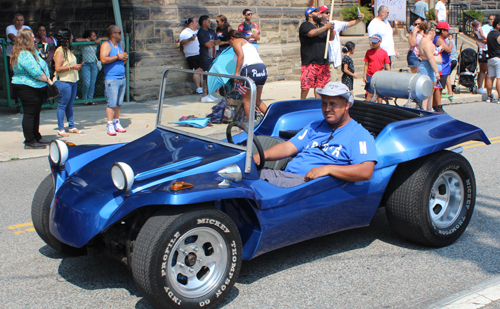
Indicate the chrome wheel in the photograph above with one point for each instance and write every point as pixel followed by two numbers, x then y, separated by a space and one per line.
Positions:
pixel 198 262
pixel 446 199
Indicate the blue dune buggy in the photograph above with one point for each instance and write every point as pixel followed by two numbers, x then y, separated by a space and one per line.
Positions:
pixel 183 206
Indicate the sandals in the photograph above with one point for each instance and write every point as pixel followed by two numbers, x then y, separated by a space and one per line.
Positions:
pixel 75 130
pixel 63 133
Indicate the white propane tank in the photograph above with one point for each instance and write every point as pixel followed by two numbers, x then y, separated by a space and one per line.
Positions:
pixel 402 85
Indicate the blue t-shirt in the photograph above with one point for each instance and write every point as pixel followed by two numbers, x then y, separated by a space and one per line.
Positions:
pixel 446 65
pixel 115 69
pixel 203 37
pixel 350 144
pixel 420 8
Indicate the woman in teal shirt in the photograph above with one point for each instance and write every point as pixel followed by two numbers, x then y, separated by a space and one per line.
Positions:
pixel 29 83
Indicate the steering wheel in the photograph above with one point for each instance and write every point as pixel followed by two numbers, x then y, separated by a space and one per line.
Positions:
pixel 256 142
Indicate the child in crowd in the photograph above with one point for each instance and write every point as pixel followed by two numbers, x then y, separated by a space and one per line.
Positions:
pixel 348 75
pixel 376 59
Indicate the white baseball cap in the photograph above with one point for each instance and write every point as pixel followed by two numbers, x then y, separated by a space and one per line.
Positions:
pixel 334 89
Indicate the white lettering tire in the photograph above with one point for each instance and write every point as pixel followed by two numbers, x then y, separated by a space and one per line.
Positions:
pixel 430 200
pixel 189 259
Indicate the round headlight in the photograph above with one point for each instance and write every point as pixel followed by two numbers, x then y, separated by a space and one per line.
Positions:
pixel 122 176
pixel 58 152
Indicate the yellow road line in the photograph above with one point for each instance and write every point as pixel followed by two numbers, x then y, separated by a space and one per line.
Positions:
pixel 481 144
pixel 19 232
pixel 31 229
pixel 478 143
pixel 20 225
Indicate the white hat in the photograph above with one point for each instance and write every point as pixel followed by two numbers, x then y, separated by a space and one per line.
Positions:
pixel 334 89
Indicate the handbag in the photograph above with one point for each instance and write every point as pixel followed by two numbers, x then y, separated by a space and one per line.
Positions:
pixel 51 91
pixel 98 62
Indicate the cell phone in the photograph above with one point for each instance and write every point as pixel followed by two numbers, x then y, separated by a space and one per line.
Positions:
pixel 359 12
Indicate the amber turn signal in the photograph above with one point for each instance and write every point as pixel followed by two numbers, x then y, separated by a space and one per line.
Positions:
pixel 180 185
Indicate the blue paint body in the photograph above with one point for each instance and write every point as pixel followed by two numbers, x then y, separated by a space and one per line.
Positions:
pixel 86 201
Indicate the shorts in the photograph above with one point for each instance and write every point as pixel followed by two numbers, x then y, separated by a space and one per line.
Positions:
pixel 206 64
pixel 412 59
pixel 281 179
pixel 368 86
pixel 115 91
pixel 314 76
pixel 494 67
pixel 443 79
pixel 194 62
pixel 482 58
pixel 256 72
pixel 425 68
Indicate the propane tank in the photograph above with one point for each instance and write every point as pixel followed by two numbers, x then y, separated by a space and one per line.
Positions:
pixel 414 86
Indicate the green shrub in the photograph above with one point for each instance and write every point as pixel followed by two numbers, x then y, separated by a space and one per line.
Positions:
pixel 351 13
pixel 431 15
pixel 476 14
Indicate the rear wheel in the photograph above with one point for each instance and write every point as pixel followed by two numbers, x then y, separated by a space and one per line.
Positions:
pixel 40 212
pixel 431 200
pixel 187 260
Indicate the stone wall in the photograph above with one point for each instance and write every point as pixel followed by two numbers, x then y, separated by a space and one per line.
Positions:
pixel 154 27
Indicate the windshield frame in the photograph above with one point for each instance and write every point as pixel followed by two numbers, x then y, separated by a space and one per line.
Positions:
pixel 249 124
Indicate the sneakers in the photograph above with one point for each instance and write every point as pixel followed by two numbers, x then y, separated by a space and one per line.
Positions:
pixel 207 99
pixel 491 100
pixel 444 95
pixel 199 90
pixel 439 109
pixel 111 129
pixel 118 127
pixel 35 145
pixel 482 91
pixel 450 97
pixel 212 97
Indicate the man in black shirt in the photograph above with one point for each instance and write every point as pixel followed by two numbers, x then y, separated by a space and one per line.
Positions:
pixel 493 42
pixel 315 70
pixel 208 40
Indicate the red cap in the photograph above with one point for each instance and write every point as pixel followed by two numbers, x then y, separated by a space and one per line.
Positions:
pixel 322 9
pixel 443 25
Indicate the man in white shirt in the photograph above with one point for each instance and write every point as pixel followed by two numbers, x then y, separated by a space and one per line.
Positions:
pixel 440 10
pixel 191 47
pixel 335 53
pixel 12 32
pixel 380 25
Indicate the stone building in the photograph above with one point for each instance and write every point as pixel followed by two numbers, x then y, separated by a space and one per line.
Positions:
pixel 154 27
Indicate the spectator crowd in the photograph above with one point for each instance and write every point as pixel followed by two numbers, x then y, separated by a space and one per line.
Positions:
pixel 38 60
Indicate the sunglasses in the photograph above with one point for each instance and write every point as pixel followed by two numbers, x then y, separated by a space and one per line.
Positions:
pixel 119 32
pixel 249 14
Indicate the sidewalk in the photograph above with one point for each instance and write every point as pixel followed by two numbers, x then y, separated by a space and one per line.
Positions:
pixel 139 119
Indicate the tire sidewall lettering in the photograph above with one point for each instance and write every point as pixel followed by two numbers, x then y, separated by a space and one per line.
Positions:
pixel 225 283
pixel 466 204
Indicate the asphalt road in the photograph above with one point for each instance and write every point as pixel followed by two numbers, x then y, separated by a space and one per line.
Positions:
pixel 369 267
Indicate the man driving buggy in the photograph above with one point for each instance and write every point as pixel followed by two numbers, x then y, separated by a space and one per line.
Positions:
pixel 337 145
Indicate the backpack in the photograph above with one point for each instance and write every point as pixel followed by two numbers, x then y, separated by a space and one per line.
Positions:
pixel 218 112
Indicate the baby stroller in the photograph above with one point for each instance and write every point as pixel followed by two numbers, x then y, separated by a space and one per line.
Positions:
pixel 466 70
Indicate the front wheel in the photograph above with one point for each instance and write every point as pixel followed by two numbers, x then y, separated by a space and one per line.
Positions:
pixel 430 200
pixel 187 260
pixel 40 212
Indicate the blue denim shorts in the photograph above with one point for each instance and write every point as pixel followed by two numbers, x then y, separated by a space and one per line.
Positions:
pixel 425 68
pixel 412 59
pixel 115 91
pixel 368 86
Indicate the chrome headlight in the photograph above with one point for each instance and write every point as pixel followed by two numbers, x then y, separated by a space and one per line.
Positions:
pixel 229 173
pixel 58 152
pixel 122 176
